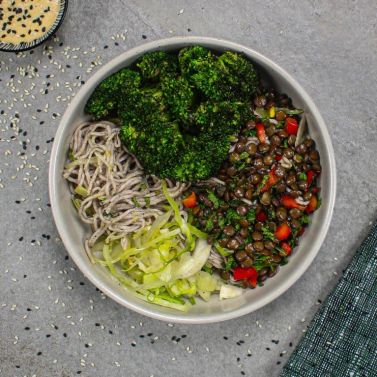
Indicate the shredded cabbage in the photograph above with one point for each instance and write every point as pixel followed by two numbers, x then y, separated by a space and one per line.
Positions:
pixel 162 263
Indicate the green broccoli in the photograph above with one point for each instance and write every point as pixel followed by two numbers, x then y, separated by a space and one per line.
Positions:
pixel 222 118
pixel 192 59
pixel 179 97
pixel 106 97
pixel 230 77
pixel 239 75
pixel 155 65
pixel 178 112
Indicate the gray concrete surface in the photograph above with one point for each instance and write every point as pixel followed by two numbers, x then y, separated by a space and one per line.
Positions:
pixel 53 322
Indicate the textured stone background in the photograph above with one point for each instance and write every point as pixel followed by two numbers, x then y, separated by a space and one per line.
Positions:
pixel 53 322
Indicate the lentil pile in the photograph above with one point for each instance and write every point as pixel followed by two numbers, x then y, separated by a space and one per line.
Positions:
pixel 257 209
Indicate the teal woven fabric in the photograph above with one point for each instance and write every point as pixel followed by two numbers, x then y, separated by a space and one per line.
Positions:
pixel 341 340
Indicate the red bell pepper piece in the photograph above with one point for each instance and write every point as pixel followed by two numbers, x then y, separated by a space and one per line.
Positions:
pixel 313 204
pixel 278 157
pixel 309 177
pixel 287 248
pixel 272 180
pixel 289 202
pixel 261 133
pixel 240 273
pixel 249 274
pixel 261 216
pixel 316 190
pixel 291 126
pixel 190 201
pixel 282 232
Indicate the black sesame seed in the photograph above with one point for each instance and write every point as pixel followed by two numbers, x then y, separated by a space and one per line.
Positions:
pixel 97 324
pixel 290 344
pixel 27 328
pixel 268 348
pixel 48 335
pixel 39 353
pixel 21 238
pixel 86 345
pixel 105 47
pixel 110 332
pixel 225 337
pixel 144 36
pixel 65 335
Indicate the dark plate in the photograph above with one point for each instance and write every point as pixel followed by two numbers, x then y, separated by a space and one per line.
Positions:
pixel 9 47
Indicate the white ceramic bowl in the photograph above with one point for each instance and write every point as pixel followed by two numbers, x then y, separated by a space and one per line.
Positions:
pixel 73 232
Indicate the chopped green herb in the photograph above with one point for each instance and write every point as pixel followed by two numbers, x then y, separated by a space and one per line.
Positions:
pixel 209 225
pixel 135 202
pixel 191 300
pixel 267 233
pixel 271 213
pixel 302 176
pixel 319 202
pixel 221 222
pixel 285 143
pixel 214 199
pixel 232 215
pixel 251 133
pixel 208 269
pixel 230 263
pixel 71 156
pixel 147 200
pixel 244 155
pixel 250 216
pixel 305 219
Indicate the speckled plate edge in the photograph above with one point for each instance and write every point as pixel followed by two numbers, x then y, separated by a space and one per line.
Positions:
pixel 10 47
pixel 326 209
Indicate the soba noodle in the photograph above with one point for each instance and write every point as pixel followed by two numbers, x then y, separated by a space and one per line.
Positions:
pixel 120 198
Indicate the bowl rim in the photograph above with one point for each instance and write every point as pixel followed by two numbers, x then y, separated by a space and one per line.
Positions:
pixel 37 42
pixel 178 317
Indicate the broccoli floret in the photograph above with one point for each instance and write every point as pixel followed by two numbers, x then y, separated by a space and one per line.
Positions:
pixel 230 77
pixel 178 121
pixel 179 97
pixel 141 106
pixel 105 99
pixel 156 147
pixel 222 118
pixel 192 59
pixel 156 65
pixel 239 74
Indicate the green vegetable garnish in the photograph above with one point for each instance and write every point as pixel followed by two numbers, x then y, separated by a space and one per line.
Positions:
pixel 250 216
pixel 267 234
pixel 230 263
pixel 214 199
pixel 302 176
pixel 135 202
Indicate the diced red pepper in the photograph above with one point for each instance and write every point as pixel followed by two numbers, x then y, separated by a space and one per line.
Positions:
pixel 282 232
pixel 289 202
pixel 287 248
pixel 309 177
pixel 254 279
pixel 261 133
pixel 313 204
pixel 272 180
pixel 291 126
pixel 316 190
pixel 190 201
pixel 240 273
pixel 261 216
pixel 278 157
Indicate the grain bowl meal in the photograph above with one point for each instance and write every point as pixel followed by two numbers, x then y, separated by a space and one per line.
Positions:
pixel 194 177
